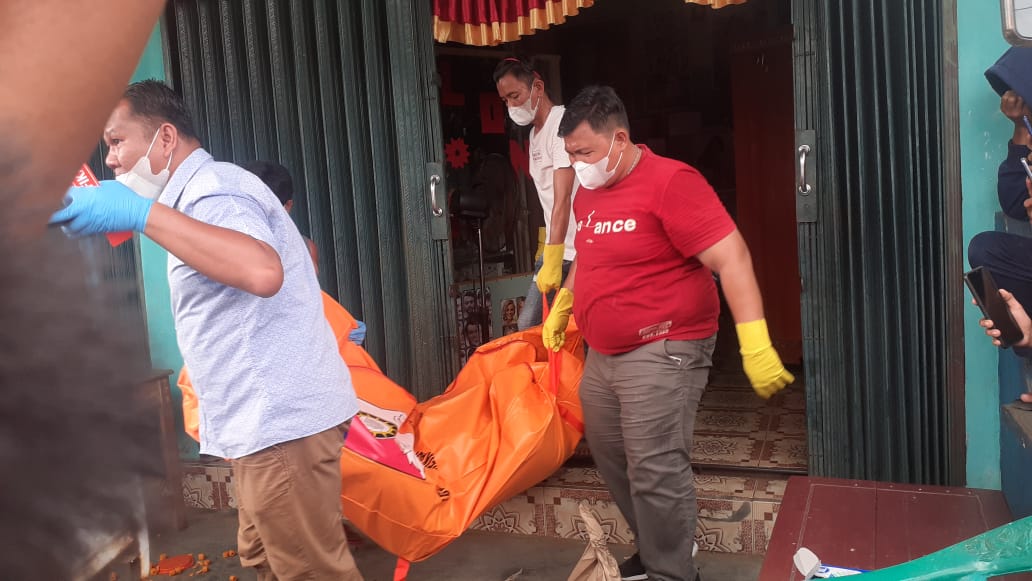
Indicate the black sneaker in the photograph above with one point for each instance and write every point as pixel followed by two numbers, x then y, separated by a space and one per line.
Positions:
pixel 632 569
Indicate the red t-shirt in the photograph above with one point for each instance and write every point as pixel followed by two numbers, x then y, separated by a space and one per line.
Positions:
pixel 637 278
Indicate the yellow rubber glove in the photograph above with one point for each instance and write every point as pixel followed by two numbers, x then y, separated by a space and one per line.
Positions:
pixel 541 243
pixel 550 277
pixel 553 332
pixel 761 362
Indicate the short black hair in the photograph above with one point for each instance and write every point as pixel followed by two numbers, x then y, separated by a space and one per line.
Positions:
pixel 520 68
pixel 600 106
pixel 275 176
pixel 156 102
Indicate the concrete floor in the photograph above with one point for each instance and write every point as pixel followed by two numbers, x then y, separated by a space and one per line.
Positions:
pixel 476 556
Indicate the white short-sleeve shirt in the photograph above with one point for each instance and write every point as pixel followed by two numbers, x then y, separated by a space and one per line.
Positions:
pixel 547 154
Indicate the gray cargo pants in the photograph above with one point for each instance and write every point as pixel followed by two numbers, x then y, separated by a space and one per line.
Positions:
pixel 639 414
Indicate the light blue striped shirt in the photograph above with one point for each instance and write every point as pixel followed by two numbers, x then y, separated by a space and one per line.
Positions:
pixel 266 371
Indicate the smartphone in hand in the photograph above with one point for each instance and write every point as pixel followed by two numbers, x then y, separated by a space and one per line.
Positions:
pixel 982 286
pixel 1028 170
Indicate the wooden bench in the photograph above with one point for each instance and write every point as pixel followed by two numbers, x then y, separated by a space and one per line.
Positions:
pixel 872 525
pixel 166 508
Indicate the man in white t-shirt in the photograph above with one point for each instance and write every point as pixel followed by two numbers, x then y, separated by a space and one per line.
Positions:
pixel 523 92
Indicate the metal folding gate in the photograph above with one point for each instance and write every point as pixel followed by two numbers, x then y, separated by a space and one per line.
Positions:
pixel 341 93
pixel 880 238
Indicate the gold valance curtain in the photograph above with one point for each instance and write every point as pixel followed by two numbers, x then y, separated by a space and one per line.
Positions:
pixel 492 22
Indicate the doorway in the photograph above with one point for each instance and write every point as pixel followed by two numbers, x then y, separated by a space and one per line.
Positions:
pixel 693 79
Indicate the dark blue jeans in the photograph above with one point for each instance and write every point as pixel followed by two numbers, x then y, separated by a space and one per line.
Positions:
pixel 1009 258
pixel 530 316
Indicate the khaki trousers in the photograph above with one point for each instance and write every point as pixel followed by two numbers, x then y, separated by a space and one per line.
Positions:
pixel 288 498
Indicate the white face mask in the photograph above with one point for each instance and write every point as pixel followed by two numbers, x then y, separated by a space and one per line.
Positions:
pixel 142 180
pixel 594 175
pixel 524 114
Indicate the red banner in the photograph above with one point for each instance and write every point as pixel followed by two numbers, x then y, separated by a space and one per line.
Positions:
pixel 492 114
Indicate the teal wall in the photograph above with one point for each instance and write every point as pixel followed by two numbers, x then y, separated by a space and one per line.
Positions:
pixel 163 348
pixel 984 132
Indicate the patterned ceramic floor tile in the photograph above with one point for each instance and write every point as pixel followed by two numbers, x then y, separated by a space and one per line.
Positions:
pixel 721 486
pixel 570 525
pixel 765 514
pixel 729 398
pixel 726 450
pixel 198 488
pixel 515 516
pixel 730 411
pixel 772 489
pixel 728 421
pixel 792 399
pixel 788 453
pixel 746 531
pixel 219 476
pixel 227 490
pixel 719 378
pixel 720 525
pixel 788 423
pixel 544 495
pixel 580 477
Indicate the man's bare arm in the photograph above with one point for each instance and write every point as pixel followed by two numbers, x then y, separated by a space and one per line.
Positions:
pixel 562 190
pixel 730 259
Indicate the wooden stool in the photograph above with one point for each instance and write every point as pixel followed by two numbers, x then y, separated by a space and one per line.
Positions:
pixel 166 507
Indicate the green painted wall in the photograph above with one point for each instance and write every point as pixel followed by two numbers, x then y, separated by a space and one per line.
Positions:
pixel 984 132
pixel 163 348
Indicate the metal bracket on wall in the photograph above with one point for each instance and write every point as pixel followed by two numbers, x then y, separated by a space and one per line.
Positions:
pixel 806 171
pixel 437 201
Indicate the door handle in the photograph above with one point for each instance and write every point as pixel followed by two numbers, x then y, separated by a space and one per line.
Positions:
pixel 806 182
pixel 803 187
pixel 434 208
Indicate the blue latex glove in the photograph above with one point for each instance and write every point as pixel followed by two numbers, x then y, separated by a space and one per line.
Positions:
pixel 109 207
pixel 357 336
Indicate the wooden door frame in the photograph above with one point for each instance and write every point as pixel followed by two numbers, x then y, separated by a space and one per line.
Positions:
pixel 954 340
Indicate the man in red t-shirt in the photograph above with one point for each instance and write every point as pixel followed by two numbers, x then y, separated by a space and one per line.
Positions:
pixel 650 233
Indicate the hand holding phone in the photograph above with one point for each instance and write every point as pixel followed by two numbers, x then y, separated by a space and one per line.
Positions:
pixel 1024 164
pixel 1028 202
pixel 987 296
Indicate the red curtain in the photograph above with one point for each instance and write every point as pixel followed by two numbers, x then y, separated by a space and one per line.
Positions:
pixel 491 22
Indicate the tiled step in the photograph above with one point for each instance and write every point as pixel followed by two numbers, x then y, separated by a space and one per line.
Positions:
pixel 209 485
pixel 736 510
pixel 736 429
